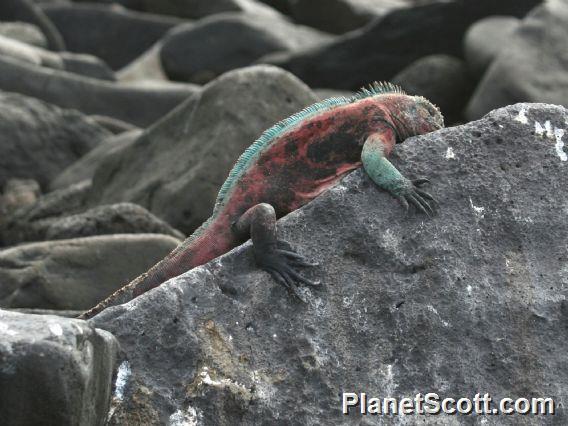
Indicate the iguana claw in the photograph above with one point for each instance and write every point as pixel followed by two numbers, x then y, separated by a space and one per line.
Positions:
pixel 280 264
pixel 421 200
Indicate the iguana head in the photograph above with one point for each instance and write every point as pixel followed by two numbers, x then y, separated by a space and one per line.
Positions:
pixel 428 117
pixel 417 116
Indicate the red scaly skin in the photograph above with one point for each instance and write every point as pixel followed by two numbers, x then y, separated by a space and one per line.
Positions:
pixel 292 170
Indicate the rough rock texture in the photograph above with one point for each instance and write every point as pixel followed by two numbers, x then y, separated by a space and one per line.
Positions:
pixel 18 193
pixel 473 300
pixel 95 29
pixel 27 11
pixel 79 64
pixel 379 50
pixel 535 64
pixel 485 39
pixel 76 273
pixel 38 140
pixel 200 52
pixel 54 371
pixel 141 106
pixel 84 168
pixel 122 218
pixel 442 79
pixel 26 33
pixel 176 168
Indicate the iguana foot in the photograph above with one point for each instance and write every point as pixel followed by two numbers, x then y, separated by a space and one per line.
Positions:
pixel 274 256
pixel 281 264
pixel 420 199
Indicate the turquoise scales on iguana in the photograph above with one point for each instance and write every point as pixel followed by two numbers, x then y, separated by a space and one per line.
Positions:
pixel 289 165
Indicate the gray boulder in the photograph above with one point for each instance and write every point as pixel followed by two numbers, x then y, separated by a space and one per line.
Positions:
pixel 112 33
pixel 38 140
pixel 138 105
pixel 84 168
pixel 442 79
pixel 485 39
pixel 76 273
pixel 54 371
pixel 176 168
pixel 26 33
pixel 28 12
pixel 86 65
pixel 200 52
pixel 340 16
pixel 533 67
pixel 384 47
pixel 478 288
pixel 122 218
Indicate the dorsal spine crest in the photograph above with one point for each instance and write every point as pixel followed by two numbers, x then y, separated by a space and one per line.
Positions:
pixel 242 164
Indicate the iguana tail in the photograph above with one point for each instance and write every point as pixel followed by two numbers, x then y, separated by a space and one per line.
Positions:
pixel 211 240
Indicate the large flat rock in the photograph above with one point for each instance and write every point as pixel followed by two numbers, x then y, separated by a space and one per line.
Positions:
pixel 471 301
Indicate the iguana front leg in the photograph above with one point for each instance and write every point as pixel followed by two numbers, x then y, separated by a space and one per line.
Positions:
pixel 385 175
pixel 273 255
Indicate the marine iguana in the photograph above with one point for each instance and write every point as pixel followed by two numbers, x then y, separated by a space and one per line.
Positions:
pixel 289 165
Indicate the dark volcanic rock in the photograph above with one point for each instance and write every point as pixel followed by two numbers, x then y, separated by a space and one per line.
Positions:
pixel 27 11
pixel 84 168
pixel 485 39
pixel 442 79
pixel 533 67
pixel 26 33
pixel 176 168
pixel 54 371
pixel 38 140
pixel 113 34
pixel 200 52
pixel 123 218
pixel 380 50
pixel 136 105
pixel 76 273
pixel 469 301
